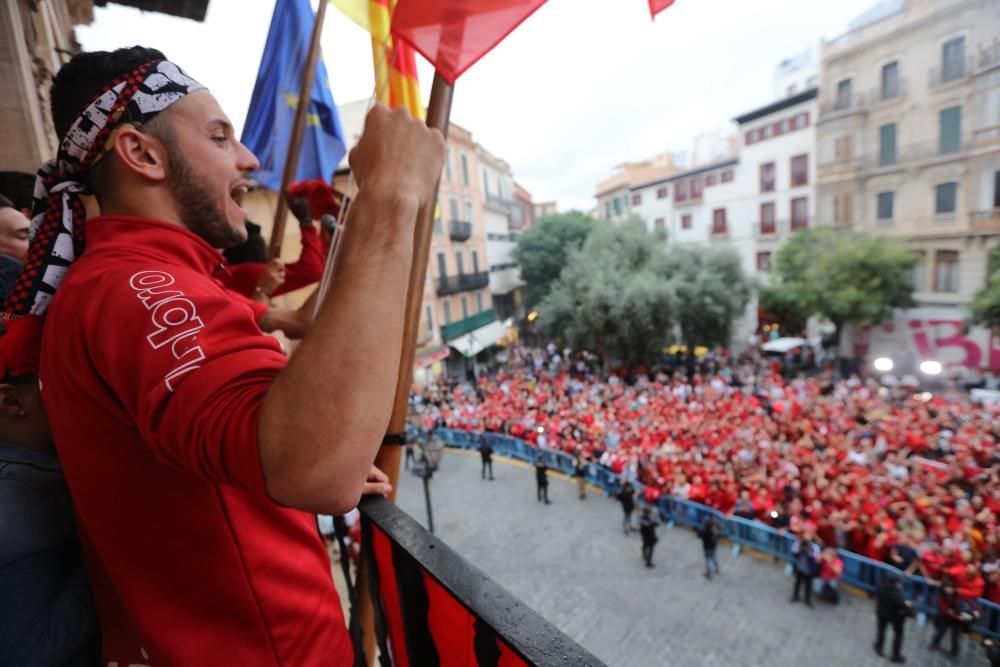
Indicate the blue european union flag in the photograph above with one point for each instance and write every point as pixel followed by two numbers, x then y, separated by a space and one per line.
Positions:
pixel 268 128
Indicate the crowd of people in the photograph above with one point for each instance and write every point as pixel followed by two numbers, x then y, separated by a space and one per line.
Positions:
pixel 912 480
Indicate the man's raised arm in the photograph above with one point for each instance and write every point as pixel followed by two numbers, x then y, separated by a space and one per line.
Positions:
pixel 322 421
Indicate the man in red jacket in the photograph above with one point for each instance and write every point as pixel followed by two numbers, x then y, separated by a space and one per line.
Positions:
pixel 194 450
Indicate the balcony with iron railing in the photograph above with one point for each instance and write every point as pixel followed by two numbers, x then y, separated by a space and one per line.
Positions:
pixel 986 58
pixel 890 93
pixel 951 74
pixel 500 202
pixel 459 230
pixel 840 165
pixel 770 229
pixel 843 105
pixel 463 282
pixel 778 228
pixel 989 219
pixel 918 153
pixel 689 198
pixel 466 325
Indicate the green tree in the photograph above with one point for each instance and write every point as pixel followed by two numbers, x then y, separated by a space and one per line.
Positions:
pixel 624 296
pixel 847 278
pixel 543 250
pixel 985 306
pixel 608 299
pixel 710 289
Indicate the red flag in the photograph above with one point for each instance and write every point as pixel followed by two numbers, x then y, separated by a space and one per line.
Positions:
pixel 454 34
pixel 657 6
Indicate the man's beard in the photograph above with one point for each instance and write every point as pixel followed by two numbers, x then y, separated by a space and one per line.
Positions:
pixel 196 206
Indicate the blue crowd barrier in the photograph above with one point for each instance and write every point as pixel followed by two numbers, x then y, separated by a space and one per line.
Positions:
pixel 859 571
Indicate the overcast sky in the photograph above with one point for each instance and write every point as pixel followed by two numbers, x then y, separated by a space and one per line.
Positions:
pixel 581 86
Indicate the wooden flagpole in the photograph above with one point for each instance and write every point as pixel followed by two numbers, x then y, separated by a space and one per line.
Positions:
pixel 388 458
pixel 298 130
pixel 438 114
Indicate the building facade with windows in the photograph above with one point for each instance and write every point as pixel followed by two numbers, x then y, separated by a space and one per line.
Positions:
pixel 36 39
pixel 909 137
pixel 470 269
pixel 522 217
pixel 776 180
pixel 688 206
pixel 500 204
pixel 544 208
pixel 615 197
pixel 458 310
pixel 751 196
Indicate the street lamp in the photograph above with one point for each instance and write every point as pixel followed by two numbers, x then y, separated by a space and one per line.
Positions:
pixel 931 367
pixel 883 364
pixel 431 448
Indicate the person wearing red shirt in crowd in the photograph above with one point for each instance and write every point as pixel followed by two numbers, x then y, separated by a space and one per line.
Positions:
pixel 966 578
pixel 192 446
pixel 831 567
pixel 932 562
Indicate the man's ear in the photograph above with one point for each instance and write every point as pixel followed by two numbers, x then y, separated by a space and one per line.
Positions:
pixel 141 153
pixel 11 404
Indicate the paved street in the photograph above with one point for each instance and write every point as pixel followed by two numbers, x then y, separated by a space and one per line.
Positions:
pixel 570 562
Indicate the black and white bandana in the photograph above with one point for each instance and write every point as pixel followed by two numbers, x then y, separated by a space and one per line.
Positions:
pixel 58 216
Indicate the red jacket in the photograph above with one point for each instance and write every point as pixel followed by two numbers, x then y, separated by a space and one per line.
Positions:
pixel 308 269
pixel 153 377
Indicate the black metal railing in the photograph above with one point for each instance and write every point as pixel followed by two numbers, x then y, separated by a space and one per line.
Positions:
pixel 463 282
pixel 952 72
pixel 460 230
pixel 408 567
pixel 847 103
pixel 499 202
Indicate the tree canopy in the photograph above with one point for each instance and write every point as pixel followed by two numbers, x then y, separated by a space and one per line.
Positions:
pixel 985 306
pixel 710 288
pixel 542 251
pixel 624 296
pixel 844 277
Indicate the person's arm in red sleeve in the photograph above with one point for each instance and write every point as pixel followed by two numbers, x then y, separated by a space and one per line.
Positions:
pixel 318 459
pixel 308 269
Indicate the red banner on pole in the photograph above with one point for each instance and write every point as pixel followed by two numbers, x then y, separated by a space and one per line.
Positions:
pixel 454 34
pixel 657 6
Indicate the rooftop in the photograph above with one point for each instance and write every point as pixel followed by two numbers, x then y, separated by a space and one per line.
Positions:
pixel 728 162
pixel 779 105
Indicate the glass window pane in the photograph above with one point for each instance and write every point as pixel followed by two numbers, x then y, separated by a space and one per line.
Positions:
pixel 950 137
pixel 844 94
pixel 767 177
pixel 919 273
pixel 885 202
pixel 887 144
pixel 946 271
pixel 953 59
pixel 890 80
pixel 944 197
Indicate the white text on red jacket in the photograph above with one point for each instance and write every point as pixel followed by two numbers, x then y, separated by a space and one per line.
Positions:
pixel 175 321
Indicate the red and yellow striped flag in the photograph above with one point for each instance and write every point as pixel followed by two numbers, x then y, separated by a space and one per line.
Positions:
pixel 396 83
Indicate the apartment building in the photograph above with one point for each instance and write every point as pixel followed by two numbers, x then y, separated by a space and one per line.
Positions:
pixel 909 136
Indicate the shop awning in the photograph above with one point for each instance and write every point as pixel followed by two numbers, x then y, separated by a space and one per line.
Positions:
pixel 476 341
pixel 428 357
